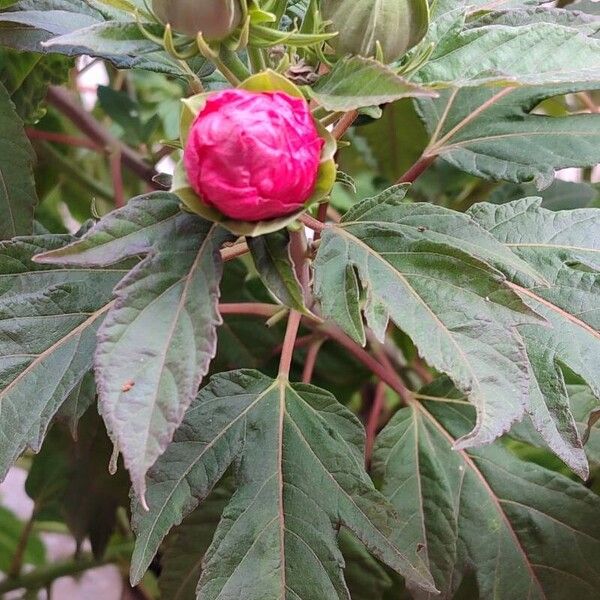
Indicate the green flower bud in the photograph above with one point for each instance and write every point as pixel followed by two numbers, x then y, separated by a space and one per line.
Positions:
pixel 216 19
pixel 363 25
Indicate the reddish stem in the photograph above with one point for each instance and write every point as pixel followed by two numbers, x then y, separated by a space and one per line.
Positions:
pixel 373 422
pixel 249 308
pixel 344 124
pixel 117 177
pixel 311 222
pixel 62 138
pixel 301 342
pixel 231 252
pixel 289 343
pixel 417 169
pixel 311 360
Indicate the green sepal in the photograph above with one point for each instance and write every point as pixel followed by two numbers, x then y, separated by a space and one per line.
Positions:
pixel 261 82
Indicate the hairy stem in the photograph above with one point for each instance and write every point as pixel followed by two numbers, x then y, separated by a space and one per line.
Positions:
pixel 311 222
pixel 344 124
pixel 231 252
pixel 298 251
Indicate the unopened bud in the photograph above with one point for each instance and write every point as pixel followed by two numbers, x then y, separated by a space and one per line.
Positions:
pixel 372 27
pixel 215 19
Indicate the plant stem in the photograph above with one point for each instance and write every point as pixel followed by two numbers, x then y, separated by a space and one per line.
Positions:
pixel 344 124
pixel 249 308
pixel 385 373
pixel 63 101
pixel 311 222
pixel 16 563
pixel 117 177
pixel 231 67
pixel 311 360
pixel 289 343
pixel 417 169
pixel 62 138
pixel 231 252
pixel 257 59
pixel 298 252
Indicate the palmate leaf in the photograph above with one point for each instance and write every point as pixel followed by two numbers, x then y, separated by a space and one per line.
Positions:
pixel 299 472
pixel 48 323
pixel 556 245
pixel 17 187
pixel 525 531
pixel 491 133
pixel 160 336
pixel 423 267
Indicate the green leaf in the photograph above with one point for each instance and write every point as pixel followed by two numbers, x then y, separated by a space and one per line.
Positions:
pixel 555 244
pixel 586 24
pixel 272 259
pixel 356 82
pixel 390 145
pixel 127 114
pixel 114 37
pixel 298 471
pixel 77 402
pixel 422 266
pixel 533 54
pixel 186 545
pixel 27 75
pixel 491 133
pixel 525 531
pixel 11 530
pixel 48 319
pixel 366 578
pixel 159 338
pixel 17 187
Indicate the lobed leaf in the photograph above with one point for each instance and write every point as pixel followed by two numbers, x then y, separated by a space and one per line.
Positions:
pixel 298 473
pixel 48 324
pixel 160 336
pixel 433 273
pixel 486 510
pixel 555 244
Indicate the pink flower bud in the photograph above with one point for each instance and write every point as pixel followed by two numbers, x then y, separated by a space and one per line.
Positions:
pixel 253 156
